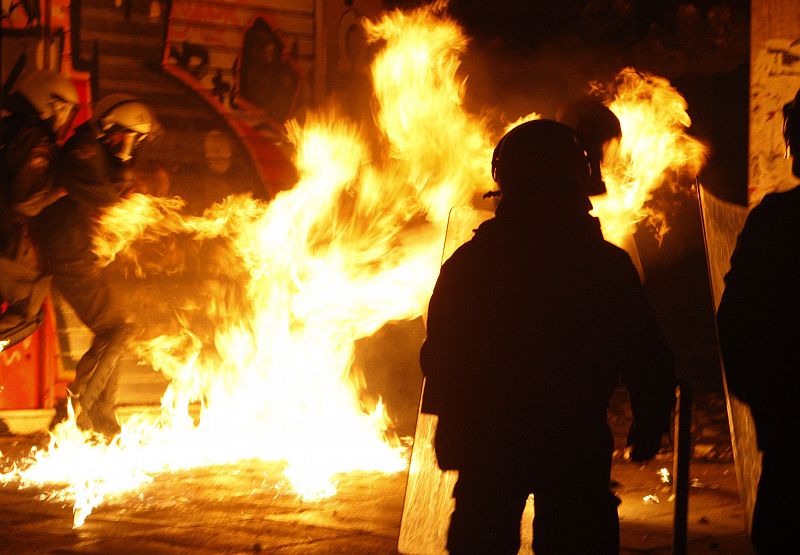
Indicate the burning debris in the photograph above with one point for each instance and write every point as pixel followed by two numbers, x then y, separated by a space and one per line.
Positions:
pixel 353 245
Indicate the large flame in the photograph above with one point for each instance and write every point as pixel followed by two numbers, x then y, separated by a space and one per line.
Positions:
pixel 353 245
pixel 654 149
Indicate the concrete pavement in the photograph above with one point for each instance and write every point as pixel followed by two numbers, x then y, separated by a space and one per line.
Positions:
pixel 245 508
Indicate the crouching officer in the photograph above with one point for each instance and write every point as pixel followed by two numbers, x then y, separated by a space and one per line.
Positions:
pixel 41 112
pixel 93 169
pixel 530 326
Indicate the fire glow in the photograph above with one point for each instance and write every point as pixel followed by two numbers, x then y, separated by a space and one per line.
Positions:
pixel 353 245
pixel 653 151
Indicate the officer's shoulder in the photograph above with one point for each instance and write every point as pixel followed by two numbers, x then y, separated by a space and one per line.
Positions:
pixel 616 261
pixel 463 254
pixel 482 239
pixel 614 252
pixel 774 212
pixel 782 200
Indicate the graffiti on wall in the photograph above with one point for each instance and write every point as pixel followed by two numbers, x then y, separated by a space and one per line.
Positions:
pixel 784 57
pixel 24 36
pixel 257 56
pixel 32 39
pixel 775 80
pixel 18 14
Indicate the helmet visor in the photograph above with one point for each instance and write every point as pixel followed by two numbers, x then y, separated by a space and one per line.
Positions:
pixel 122 144
pixel 64 114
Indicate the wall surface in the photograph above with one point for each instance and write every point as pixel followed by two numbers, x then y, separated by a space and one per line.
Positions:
pixel 775 79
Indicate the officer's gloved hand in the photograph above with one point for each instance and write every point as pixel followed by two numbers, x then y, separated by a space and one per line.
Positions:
pixel 643 444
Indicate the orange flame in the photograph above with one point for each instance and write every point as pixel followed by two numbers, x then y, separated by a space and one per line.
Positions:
pixel 354 244
pixel 654 150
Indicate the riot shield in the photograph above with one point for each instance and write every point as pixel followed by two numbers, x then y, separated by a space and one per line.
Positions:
pixel 428 501
pixel 722 222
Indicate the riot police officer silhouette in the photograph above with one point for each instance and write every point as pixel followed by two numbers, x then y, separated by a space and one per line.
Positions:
pixel 759 332
pixel 531 325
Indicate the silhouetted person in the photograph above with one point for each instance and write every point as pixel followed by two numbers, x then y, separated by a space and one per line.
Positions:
pixel 759 332
pixel 94 170
pixel 41 112
pixel 530 326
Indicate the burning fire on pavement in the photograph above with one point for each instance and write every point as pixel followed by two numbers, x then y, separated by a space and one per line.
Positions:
pixel 356 243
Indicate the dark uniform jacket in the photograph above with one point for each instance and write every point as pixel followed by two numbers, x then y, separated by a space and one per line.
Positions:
pixel 63 231
pixel 27 151
pixel 530 326
pixel 759 317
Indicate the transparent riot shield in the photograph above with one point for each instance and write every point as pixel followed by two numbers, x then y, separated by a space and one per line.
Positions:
pixel 428 501
pixel 722 222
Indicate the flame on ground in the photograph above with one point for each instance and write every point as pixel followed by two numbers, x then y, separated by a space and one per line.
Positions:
pixel 353 245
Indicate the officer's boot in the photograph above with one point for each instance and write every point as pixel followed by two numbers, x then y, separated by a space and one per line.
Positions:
pixel 104 419
pixel 82 417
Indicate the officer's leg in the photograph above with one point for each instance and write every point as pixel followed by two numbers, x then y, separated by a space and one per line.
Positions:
pixel 86 299
pixel 575 512
pixel 87 366
pixel 103 412
pixel 776 522
pixel 84 373
pixel 91 298
pixel 107 363
pixel 87 292
pixel 486 519
pixel 94 390
pixel 575 522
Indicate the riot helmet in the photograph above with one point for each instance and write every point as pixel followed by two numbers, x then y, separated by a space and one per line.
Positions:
pixel 541 157
pixel 597 126
pixel 54 98
pixel 791 131
pixel 124 123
